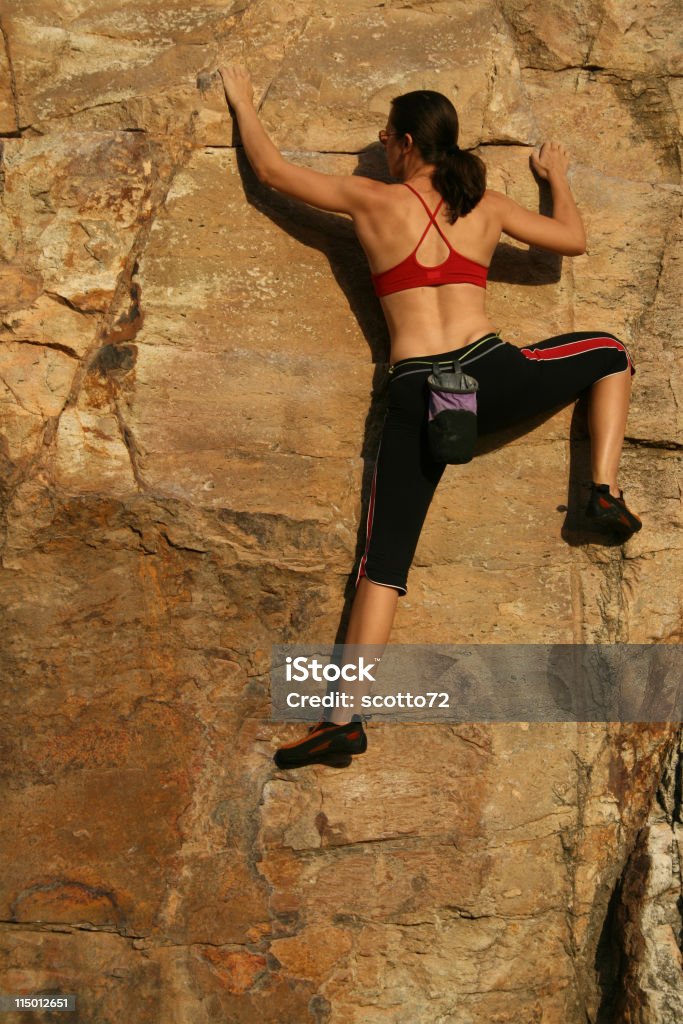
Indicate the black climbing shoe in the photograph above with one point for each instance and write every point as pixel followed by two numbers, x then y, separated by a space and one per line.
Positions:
pixel 610 513
pixel 323 741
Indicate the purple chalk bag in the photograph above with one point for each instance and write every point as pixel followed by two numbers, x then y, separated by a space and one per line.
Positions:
pixel 452 419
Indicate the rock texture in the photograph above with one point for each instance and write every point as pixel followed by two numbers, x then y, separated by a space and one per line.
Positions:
pixel 192 377
pixel 644 919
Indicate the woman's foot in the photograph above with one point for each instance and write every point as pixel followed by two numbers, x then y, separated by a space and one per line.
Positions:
pixel 323 740
pixel 610 513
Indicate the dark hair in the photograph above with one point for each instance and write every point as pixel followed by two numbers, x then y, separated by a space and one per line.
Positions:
pixel 431 119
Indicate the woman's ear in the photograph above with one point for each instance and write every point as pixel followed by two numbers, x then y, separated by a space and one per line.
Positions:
pixel 407 143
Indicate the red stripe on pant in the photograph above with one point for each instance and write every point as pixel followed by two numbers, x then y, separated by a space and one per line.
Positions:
pixel 368 529
pixel 574 348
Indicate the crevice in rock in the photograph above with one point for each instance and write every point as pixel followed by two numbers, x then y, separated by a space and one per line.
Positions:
pixel 648 99
pixel 644 442
pixel 617 946
pixel 126 325
pixel 670 802
pixel 287 153
pixel 111 326
pixel 511 31
pixel 12 80
pixel 633 964
pixel 490 85
pixel 501 142
pixel 674 110
pixel 570 839
pixel 205 79
pixel 115 356
pixel 57 346
pixel 233 18
pixel 650 305
pixel 660 270
pixel 591 45
pixel 292 42
pixel 68 928
pixel 467 915
pixel 596 69
pixel 15 396
pixel 73 113
pixel 193 549
pixel 73 891
pixel 63 301
pixel 612 600
pixel 131 447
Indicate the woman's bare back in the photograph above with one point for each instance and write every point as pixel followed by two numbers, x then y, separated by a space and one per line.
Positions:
pixel 428 319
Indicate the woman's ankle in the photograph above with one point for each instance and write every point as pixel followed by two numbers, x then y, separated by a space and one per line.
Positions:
pixel 614 488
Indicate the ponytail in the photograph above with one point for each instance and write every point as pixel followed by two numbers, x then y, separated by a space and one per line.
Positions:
pixel 460 177
pixel 431 119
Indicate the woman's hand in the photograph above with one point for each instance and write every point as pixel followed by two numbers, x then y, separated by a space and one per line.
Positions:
pixel 237 85
pixel 347 193
pixel 551 160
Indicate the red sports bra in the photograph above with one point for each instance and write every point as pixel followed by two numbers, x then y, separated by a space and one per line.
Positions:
pixel 410 273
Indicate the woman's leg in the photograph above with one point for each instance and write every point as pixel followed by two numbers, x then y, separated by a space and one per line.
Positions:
pixel 607 412
pixel 370 622
pixel 403 485
pixel 515 383
pixel 404 482
pixel 372 613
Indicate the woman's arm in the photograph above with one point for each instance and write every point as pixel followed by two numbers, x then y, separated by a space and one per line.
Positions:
pixel 564 231
pixel 339 194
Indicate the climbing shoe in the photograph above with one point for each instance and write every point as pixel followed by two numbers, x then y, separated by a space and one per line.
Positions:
pixel 610 513
pixel 324 742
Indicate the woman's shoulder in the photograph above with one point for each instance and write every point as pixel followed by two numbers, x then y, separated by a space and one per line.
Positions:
pixel 494 204
pixel 376 186
pixel 493 198
pixel 377 195
pixel 370 188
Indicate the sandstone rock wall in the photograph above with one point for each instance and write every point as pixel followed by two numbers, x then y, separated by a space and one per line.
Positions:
pixel 191 385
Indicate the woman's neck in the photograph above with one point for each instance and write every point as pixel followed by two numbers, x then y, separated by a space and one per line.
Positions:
pixel 423 172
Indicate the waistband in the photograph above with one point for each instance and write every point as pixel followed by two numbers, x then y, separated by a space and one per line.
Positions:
pixel 397 368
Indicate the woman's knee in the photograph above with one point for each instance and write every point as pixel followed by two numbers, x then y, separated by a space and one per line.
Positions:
pixel 622 356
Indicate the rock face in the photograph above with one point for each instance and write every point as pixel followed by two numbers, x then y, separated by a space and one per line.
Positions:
pixel 644 918
pixel 192 377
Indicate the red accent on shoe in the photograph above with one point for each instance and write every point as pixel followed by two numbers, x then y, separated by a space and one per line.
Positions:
pixel 321 746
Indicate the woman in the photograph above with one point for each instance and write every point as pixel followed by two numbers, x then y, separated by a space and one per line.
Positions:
pixel 429 241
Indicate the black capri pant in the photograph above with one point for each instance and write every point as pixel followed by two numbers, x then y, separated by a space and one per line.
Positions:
pixel 514 384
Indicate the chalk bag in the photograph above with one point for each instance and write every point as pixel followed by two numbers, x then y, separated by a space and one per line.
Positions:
pixel 452 418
